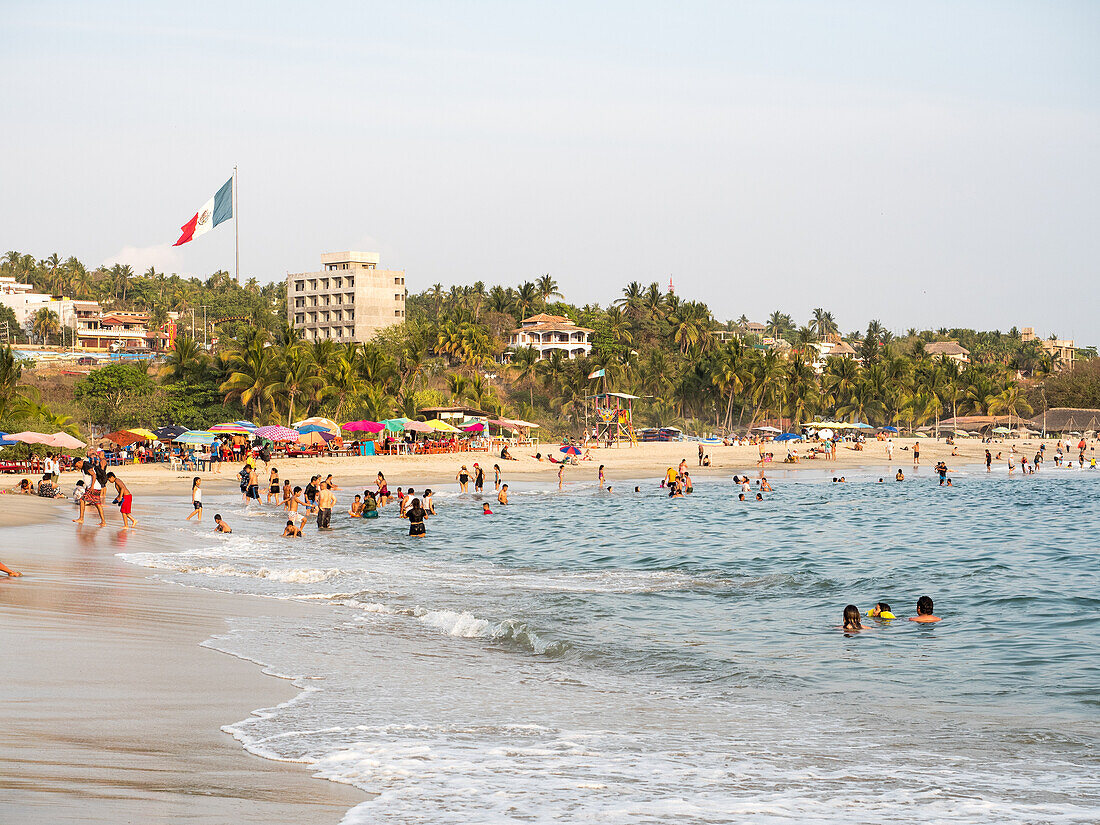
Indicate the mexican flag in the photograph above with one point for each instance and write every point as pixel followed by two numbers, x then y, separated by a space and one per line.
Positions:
pixel 219 208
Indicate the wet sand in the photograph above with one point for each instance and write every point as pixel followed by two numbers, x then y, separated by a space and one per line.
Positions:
pixel 110 711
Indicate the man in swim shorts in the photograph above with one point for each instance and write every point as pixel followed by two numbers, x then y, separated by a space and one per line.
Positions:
pixel 325 501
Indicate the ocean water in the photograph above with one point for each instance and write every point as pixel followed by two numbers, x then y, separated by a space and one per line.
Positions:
pixel 626 658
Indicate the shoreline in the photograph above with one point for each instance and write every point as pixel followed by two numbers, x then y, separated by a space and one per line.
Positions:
pixel 113 708
pixel 637 462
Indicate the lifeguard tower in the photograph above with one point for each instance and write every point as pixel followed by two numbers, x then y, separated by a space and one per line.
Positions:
pixel 608 418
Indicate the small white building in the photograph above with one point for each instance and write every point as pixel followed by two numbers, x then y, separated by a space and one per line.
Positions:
pixel 832 349
pixel 546 333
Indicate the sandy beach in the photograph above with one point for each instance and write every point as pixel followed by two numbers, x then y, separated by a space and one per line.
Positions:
pixel 110 711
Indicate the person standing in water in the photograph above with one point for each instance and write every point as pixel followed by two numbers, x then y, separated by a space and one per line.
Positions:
pixel 196 499
pixel 415 514
pixel 479 478
pixel 326 499
pixel 463 480
pixel 602 478
pixel 125 500
pixel 502 496
pixel 924 611
pixel 273 484
pixel 988 461
pixel 916 453
pixel 496 477
pixel 561 476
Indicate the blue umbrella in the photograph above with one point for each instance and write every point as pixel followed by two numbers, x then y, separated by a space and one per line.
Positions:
pixel 787 437
pixel 5 443
pixel 571 449
pixel 313 428
pixel 202 437
pixel 890 429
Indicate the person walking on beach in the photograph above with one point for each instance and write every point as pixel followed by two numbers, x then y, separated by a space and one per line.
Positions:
pixel 463 480
pixel 326 499
pixel 196 499
pixel 479 478
pixel 125 500
pixel 700 453
pixel 889 449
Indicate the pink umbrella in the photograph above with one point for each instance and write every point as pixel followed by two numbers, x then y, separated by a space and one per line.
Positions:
pixel 364 427
pixel 419 427
pixel 65 441
pixel 474 428
pixel 277 433
pixel 31 438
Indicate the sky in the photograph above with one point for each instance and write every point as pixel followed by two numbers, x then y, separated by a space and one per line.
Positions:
pixel 932 164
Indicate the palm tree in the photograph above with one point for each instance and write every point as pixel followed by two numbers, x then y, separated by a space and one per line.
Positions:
pixel 779 323
pixel 525 366
pixel 253 374
pixel 823 322
pixel 547 287
pixel 527 299
pixel 296 376
pixel 1010 400
pixel 45 324
pixel 186 361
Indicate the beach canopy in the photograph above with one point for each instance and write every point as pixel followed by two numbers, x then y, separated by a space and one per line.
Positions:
pixel 364 426
pixel 276 433
pixel 311 428
pixel 169 432
pixel 29 437
pixel 1002 430
pixel 200 437
pixel 61 440
pixel 768 429
pixel 441 426
pixel 419 427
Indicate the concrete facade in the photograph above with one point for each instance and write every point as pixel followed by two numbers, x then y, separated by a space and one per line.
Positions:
pixel 546 333
pixel 348 299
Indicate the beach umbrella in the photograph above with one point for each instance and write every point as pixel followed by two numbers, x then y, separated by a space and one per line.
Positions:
pixel 863 426
pixel 395 425
pixel 364 426
pixel 571 449
pixel 148 435
pixel 419 427
pixel 474 428
pixel 276 433
pixel 826 434
pixel 169 432
pixel 124 438
pixel 4 442
pixel 889 429
pixel 306 429
pixel 30 438
pixel 232 428
pixel 768 429
pixel 788 437
pixel 319 421
pixel 441 426
pixel 198 437
pixel 1002 430
pixel 248 425
pixel 65 441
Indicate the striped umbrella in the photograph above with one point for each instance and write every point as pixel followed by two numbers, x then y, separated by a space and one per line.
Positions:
pixel 200 437
pixel 231 428
pixel 276 433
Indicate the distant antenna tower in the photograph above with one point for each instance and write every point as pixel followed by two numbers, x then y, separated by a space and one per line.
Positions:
pixel 671 288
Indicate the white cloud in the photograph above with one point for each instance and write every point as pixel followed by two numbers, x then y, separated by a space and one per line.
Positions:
pixel 161 256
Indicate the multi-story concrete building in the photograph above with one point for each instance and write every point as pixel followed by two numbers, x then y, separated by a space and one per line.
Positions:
pixel 1061 350
pixel 349 299
pixel 546 333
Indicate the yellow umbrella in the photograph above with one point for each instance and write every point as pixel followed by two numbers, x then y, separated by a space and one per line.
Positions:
pixel 144 433
pixel 441 426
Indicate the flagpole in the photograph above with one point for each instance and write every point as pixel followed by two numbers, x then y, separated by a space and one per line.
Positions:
pixel 236 231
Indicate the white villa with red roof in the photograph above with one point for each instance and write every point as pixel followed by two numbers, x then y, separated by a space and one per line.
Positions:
pixel 546 333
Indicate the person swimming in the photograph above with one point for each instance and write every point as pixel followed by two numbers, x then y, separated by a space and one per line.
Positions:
pixel 924 611
pixel 291 531
pixel 759 496
pixel 900 475
pixel 851 618
pixel 485 511
pixel 881 610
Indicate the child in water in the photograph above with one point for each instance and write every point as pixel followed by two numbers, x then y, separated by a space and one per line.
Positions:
pixel 881 610
pixel 851 619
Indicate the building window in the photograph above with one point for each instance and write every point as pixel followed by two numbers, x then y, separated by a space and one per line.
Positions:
pixel 397 298
pixel 351 281
pixel 337 283
pixel 299 286
pixel 397 313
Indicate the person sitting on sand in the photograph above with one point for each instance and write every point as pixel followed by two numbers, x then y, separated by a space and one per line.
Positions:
pixel 924 611
pixel 851 619
pixel 220 526
pixel 881 610
pixel 502 496
pixel 356 510
pixel 485 511
pixel 290 531
pixel 706 461
pixel 505 455
pixel 46 487
pixel 23 488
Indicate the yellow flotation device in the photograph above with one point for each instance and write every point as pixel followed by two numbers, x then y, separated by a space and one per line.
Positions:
pixel 885 614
